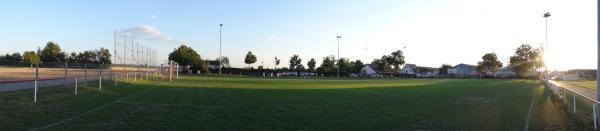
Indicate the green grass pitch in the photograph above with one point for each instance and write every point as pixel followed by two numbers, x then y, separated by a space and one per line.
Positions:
pixel 244 103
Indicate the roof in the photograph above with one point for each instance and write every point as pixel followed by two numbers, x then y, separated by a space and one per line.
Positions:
pixel 412 66
pixel 461 64
pixel 375 67
pixel 212 62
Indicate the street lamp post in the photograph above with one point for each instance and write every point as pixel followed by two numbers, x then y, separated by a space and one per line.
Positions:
pixel 220 57
pixel 338 55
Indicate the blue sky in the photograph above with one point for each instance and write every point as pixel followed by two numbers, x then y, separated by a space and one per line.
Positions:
pixel 433 31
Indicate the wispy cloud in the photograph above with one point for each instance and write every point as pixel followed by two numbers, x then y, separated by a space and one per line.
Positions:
pixel 146 32
pixel 153 17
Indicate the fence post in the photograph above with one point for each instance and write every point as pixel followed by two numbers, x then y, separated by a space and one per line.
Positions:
pixel 100 82
pixel 85 74
pixel 170 70
pixel 564 95
pixel 76 85
pixel 35 84
pixel 66 77
pixel 127 75
pixel 116 78
pixel 134 76
pixel 595 117
pixel 574 104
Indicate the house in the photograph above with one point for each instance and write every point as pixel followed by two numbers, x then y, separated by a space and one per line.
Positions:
pixel 427 72
pixel 505 72
pixel 370 70
pixel 409 69
pixel 463 70
pixel 214 64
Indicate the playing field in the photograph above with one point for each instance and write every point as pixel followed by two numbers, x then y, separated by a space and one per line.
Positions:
pixel 234 103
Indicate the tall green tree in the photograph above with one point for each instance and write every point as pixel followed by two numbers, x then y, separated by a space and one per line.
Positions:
pixel 32 57
pixel 327 65
pixel 356 66
pixel 526 59
pixel 295 60
pixel 72 58
pixel 444 69
pixel 489 63
pixel 250 58
pixel 277 61
pixel 225 61
pixel 344 65
pixel 383 63
pixel 188 57
pixel 104 56
pixel 51 53
pixel 311 64
pixel 396 59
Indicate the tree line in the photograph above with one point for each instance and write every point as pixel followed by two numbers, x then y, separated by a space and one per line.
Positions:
pixel 526 59
pixel 53 53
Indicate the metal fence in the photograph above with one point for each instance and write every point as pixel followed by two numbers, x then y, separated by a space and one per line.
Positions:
pixel 582 108
pixel 15 76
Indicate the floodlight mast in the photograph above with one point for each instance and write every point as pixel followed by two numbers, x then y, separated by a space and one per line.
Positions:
pixel 220 57
pixel 338 55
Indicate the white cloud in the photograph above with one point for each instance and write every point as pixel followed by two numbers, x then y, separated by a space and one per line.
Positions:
pixel 153 17
pixel 147 32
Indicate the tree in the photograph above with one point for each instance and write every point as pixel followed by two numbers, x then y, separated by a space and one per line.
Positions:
pixel 356 66
pixel 104 56
pixel 295 61
pixel 526 59
pixel 188 57
pixel 344 65
pixel 12 57
pixel 31 57
pixel 90 56
pixel 489 63
pixel 299 67
pixel 250 58
pixel 327 65
pixel 311 64
pixel 444 69
pixel 396 59
pixel 17 56
pixel 383 63
pixel 224 62
pixel 72 58
pixel 51 53
pixel 277 61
